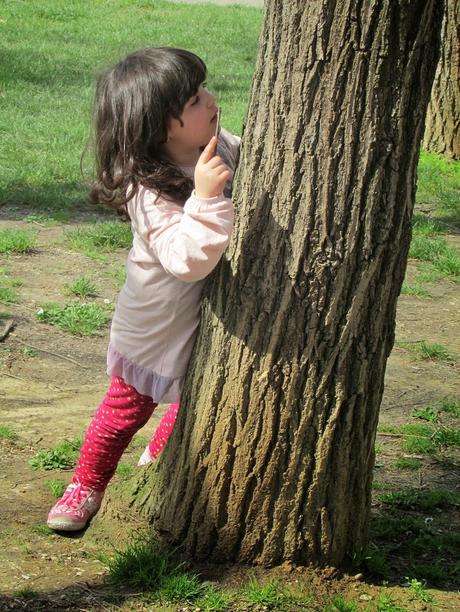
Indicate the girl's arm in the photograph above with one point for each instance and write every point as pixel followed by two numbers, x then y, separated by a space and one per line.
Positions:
pixel 189 242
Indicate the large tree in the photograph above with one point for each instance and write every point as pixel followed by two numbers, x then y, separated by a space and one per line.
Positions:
pixel 272 456
pixel 442 132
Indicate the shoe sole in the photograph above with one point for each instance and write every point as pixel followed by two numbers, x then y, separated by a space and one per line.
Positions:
pixel 63 525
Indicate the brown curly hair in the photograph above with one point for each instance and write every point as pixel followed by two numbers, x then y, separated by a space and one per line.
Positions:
pixel 134 102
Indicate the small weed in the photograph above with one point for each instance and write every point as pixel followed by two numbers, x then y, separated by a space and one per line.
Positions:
pixel 124 469
pixel 16 241
pixel 427 249
pixel 378 448
pixel 213 601
pixel 407 463
pixel 422 500
pixel 42 530
pixel 447 437
pixel 7 433
pixel 105 237
pixel 25 593
pixel 119 274
pixel 78 319
pixel 271 594
pixel 143 564
pixel 429 413
pixel 340 604
pixel 449 405
pixel 180 587
pixel 426 351
pixel 28 352
pixel 416 290
pixel 385 604
pixel 82 287
pixel 57 488
pixel 63 456
pixel 424 226
pixel 419 591
pixel 49 220
pixel 8 296
pixel 448 264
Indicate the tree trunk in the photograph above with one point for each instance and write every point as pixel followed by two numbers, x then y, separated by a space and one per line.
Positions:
pixel 442 128
pixel 273 452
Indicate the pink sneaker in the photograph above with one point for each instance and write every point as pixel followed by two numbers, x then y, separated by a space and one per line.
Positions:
pixel 75 508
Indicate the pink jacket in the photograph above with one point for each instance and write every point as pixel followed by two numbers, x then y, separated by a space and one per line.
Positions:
pixel 157 315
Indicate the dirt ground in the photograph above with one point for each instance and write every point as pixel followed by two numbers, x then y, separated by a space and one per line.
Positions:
pixel 51 394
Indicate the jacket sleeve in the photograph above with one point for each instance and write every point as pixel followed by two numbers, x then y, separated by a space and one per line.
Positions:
pixel 190 241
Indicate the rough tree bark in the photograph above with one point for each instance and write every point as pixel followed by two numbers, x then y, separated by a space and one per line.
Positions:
pixel 272 456
pixel 442 127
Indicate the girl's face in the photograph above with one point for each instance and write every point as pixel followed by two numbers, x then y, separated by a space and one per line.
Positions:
pixel 199 119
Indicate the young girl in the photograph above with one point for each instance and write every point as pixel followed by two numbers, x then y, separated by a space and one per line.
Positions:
pixel 153 116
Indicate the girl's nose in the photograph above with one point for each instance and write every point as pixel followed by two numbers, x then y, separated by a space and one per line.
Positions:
pixel 211 100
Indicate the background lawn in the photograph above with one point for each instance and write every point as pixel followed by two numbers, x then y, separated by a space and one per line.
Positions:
pixel 51 53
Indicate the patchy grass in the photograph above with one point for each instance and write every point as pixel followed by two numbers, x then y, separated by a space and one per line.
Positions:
pixel 340 604
pixel 124 470
pixel 75 318
pixel 407 463
pixel 407 544
pixel 416 290
pixel 449 405
pixel 62 457
pixel 428 351
pixel 421 500
pixel 142 565
pixel 57 488
pixel 25 593
pixel 438 185
pixel 100 238
pixel 16 241
pixel 82 287
pixel 7 433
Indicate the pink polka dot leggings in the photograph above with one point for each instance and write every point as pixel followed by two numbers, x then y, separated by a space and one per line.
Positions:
pixel 122 412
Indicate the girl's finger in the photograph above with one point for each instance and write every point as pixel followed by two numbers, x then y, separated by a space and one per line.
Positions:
pixel 208 151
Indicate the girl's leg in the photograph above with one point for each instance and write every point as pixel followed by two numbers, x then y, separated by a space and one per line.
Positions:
pixel 161 434
pixel 122 412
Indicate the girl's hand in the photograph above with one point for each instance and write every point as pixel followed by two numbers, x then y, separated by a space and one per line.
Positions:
pixel 211 173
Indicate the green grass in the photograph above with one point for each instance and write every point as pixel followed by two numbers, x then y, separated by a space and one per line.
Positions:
pixel 62 457
pixel 407 463
pixel 422 225
pixel 416 290
pixel 449 405
pixel 54 50
pixel 100 238
pixel 385 603
pixel 42 530
pixel 7 433
pixel 142 565
pixel 428 351
pixel 16 241
pixel 428 413
pixel 271 594
pixel 8 296
pixel 82 287
pixel 57 488
pixel 408 544
pixel 78 319
pixel 124 469
pixel 419 591
pixel 25 593
pixel 438 184
pixel 421 500
pixel 340 604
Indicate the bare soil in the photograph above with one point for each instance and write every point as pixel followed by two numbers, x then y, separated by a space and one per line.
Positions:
pixel 51 395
